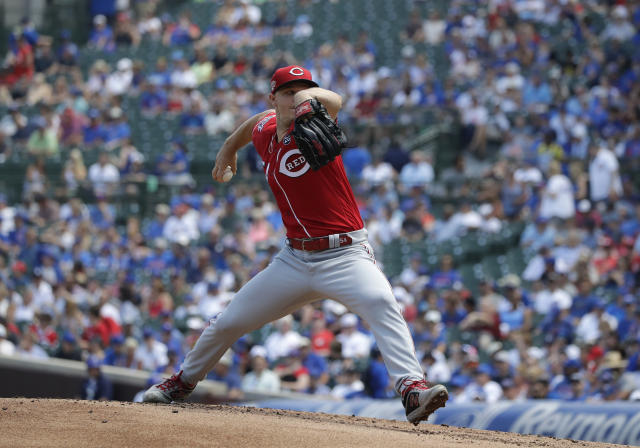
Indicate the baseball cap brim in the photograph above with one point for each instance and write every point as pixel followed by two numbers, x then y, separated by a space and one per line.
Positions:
pixel 305 81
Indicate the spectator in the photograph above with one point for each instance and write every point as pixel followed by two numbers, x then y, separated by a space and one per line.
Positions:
pixel 202 67
pixel 21 64
pixel 7 348
pixel 418 172
pixel 433 28
pixel 117 130
pixel 355 159
pixel 348 385
pixel 260 378
pixel 40 91
pixel 125 32
pixel 104 176
pixel 67 52
pixel 182 32
pixel 173 166
pixel 119 82
pixel 378 173
pixel 604 176
pixel 94 132
pixel 153 99
pixel 71 127
pixel 43 142
pixel 101 37
pixel 183 225
pixel 68 348
pixel 29 346
pixel 355 344
pixel 151 353
pixel 283 341
pixel 225 371
pixel 192 122
pixel 557 196
pixel 97 386
pixel 483 388
pixel 102 327
pixel 619 29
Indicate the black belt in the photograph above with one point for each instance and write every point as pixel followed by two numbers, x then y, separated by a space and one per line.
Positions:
pixel 321 243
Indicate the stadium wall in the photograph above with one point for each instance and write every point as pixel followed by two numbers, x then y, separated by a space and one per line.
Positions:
pixel 615 422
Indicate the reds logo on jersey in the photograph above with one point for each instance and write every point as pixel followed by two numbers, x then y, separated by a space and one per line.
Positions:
pixel 293 163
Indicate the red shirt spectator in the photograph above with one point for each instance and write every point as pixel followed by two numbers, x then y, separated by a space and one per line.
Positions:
pixel 102 326
pixel 23 63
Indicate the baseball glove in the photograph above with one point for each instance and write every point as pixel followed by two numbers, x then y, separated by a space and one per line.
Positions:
pixel 318 137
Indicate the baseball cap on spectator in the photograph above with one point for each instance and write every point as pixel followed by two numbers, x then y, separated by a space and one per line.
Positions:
pixel 433 316
pixel 507 383
pixel 620 12
pixel 19 266
pixel 117 339
pixel 572 364
pixel 147 332
pixel 291 73
pixel 348 320
pixel 258 351
pixel 536 352
pixel 163 209
pixel 131 343
pixel 99 20
pixel 68 337
pixel 458 381
pixel 484 369
pixel 93 362
pixel 509 281
pixel 222 84
pixel 584 206
pixel 124 64
pixel 195 323
pixel 501 356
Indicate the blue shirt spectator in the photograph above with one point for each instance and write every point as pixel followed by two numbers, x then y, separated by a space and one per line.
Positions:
pixel 355 159
pixel 101 37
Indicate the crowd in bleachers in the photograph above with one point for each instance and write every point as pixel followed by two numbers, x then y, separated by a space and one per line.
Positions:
pixel 548 100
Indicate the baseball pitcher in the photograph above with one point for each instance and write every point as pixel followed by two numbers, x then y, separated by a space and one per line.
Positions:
pixel 327 254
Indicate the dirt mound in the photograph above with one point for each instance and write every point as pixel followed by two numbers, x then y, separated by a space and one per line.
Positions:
pixel 28 422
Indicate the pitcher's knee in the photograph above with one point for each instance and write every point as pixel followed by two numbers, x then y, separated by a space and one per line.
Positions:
pixel 380 301
pixel 227 326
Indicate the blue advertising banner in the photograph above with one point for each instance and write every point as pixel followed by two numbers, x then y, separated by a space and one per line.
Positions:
pixel 616 422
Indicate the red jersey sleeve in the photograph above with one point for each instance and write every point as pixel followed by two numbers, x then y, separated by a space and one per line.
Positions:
pixel 263 132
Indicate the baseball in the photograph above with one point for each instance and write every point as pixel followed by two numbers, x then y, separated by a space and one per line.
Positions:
pixel 227 175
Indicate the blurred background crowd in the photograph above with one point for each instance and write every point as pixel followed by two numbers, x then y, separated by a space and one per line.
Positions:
pixel 495 162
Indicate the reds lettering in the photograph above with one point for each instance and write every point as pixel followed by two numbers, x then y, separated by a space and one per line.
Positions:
pixel 293 163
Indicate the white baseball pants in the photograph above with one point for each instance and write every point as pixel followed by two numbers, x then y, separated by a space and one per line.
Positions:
pixel 347 274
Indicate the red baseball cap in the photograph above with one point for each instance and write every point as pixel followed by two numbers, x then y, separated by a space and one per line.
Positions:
pixel 292 73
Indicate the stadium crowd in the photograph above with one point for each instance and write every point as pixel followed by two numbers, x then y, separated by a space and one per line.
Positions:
pixel 555 88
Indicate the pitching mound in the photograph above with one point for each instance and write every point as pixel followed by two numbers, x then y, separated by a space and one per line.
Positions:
pixel 30 422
